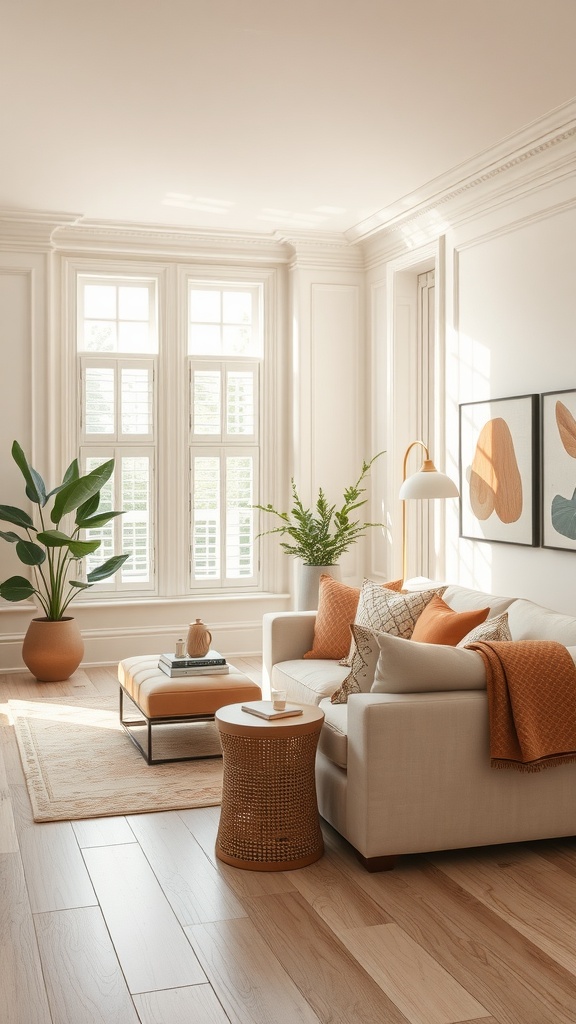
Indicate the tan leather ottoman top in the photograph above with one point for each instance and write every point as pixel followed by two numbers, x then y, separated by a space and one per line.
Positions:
pixel 159 696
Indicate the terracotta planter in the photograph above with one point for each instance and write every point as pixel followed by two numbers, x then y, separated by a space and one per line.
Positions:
pixel 309 582
pixel 52 651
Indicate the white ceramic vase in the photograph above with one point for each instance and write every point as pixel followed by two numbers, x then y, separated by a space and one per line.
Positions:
pixel 309 582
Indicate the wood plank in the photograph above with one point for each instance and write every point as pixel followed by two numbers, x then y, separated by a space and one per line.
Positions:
pixel 333 983
pixel 196 891
pixel 481 951
pixel 336 898
pixel 23 997
pixel 8 837
pixel 560 852
pixel 202 822
pixel 248 979
pixel 55 871
pixel 104 678
pixel 536 898
pixel 82 974
pixel 391 957
pixel 151 946
pixel 196 1005
pixel 102 832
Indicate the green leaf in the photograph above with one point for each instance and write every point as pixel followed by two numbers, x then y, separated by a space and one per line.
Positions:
pixel 80 548
pixel 102 572
pixel 96 521
pixel 79 491
pixel 11 514
pixel 72 473
pixel 77 548
pixel 29 553
pixel 35 488
pixel 563 511
pixel 79 585
pixel 16 589
pixel 54 539
pixel 12 538
pixel 88 508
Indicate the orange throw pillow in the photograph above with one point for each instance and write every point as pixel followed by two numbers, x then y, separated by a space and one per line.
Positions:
pixel 440 624
pixel 337 603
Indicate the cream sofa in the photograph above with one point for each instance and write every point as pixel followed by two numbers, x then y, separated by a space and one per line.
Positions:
pixel 410 772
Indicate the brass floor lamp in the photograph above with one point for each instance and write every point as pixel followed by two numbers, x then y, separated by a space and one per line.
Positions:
pixel 428 482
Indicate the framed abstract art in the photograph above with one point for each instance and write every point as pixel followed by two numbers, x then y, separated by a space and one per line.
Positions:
pixel 499 463
pixel 558 415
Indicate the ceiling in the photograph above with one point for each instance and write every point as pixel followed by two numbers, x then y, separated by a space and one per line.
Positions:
pixel 264 115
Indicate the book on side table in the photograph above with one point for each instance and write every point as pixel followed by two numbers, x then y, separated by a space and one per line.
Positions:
pixel 265 709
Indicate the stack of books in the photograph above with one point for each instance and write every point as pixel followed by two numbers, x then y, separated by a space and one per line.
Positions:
pixel 175 667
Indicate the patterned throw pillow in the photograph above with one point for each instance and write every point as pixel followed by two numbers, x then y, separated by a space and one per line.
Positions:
pixel 385 611
pixel 363 667
pixel 440 624
pixel 493 629
pixel 337 603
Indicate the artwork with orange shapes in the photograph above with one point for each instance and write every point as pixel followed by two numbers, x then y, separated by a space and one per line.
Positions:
pixel 559 470
pixel 499 459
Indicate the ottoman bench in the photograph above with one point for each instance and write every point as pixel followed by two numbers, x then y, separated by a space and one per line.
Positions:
pixel 162 700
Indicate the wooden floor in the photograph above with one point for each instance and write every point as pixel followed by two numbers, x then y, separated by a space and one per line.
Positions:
pixel 120 920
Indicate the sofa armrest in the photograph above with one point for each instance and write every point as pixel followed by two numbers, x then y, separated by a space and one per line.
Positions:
pixel 286 636
pixel 417 764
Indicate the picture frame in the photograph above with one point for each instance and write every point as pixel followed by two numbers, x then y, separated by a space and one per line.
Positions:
pixel 499 470
pixel 558 444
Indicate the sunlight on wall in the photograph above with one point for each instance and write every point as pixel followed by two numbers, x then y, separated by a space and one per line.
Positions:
pixel 467 380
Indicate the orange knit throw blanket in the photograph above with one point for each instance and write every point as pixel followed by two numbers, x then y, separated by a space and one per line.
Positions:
pixel 531 703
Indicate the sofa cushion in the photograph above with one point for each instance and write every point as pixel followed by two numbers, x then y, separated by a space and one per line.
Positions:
pixel 363 667
pixel 406 666
pixel 492 629
pixel 388 612
pixel 333 741
pixel 529 621
pixel 337 604
pixel 463 599
pixel 440 624
pixel 307 682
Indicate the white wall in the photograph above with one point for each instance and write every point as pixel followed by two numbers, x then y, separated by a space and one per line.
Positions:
pixel 513 305
pixel 506 252
pixel 317 321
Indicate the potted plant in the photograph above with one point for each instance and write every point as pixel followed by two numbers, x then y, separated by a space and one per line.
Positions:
pixel 54 555
pixel 320 535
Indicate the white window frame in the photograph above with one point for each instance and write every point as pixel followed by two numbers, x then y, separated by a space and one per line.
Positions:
pixel 224 444
pixel 115 584
pixel 170 276
pixel 222 453
pixel 118 363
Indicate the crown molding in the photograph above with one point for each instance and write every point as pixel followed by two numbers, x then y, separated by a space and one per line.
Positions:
pixel 527 159
pixel 317 250
pixel 31 230
pixel 160 240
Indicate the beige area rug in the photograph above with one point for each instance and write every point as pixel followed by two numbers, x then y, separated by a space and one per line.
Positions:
pixel 79 763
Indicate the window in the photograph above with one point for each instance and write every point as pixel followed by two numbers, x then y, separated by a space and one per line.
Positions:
pixel 116 325
pixel 187 457
pixel 225 355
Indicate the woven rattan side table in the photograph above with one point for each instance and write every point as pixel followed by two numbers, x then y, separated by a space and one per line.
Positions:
pixel 269 816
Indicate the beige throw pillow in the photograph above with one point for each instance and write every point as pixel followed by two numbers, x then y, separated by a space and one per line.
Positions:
pixel 493 629
pixel 361 675
pixel 406 666
pixel 386 611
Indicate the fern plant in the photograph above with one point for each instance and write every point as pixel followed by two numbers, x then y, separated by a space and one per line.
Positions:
pixel 321 534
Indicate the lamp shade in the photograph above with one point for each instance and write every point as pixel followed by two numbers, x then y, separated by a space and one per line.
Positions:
pixel 428 482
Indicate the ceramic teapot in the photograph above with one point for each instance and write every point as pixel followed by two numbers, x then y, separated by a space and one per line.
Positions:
pixel 199 639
